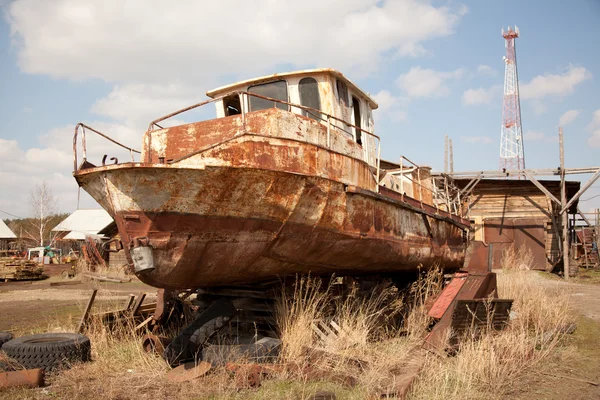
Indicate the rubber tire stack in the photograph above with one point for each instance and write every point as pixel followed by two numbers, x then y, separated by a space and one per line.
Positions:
pixel 49 351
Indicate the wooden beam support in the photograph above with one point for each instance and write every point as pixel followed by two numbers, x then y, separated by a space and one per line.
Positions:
pixel 467 189
pixel 587 221
pixel 541 187
pixel 563 202
pixel 581 191
pixel 518 172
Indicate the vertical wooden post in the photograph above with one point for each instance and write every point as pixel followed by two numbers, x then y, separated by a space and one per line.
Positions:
pixel 86 312
pixel 451 156
pixel 598 231
pixel 563 203
pixel 446 154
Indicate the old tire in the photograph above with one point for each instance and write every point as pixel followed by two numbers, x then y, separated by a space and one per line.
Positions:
pixel 5 337
pixel 49 351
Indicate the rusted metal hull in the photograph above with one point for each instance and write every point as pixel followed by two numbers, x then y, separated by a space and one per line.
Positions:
pixel 221 225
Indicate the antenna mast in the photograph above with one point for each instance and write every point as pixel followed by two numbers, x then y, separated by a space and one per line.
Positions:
pixel 512 154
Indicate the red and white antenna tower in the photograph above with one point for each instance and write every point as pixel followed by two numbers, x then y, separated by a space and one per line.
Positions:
pixel 512 155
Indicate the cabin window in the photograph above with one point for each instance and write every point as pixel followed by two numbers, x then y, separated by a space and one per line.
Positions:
pixel 342 91
pixel 231 105
pixel 309 97
pixel 357 120
pixel 275 90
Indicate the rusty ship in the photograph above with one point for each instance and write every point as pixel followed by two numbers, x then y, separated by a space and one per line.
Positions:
pixel 287 179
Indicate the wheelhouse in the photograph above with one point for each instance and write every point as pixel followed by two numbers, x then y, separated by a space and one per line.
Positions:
pixel 318 92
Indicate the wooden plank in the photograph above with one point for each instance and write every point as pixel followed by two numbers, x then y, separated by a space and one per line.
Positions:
pixel 141 325
pixel 86 312
pixel 65 283
pixel 138 303
pixel 129 301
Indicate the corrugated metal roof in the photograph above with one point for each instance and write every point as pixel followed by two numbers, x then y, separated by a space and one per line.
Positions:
pixel 5 232
pixel 84 223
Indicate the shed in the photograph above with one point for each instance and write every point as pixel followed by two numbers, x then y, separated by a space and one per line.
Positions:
pixel 83 223
pixel 6 236
pixel 506 212
pixel 116 255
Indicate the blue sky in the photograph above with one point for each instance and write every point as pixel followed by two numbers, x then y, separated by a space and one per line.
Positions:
pixel 435 67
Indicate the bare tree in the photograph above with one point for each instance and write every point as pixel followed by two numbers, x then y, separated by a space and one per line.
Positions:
pixel 43 205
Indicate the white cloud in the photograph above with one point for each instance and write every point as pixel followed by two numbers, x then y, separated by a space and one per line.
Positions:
pixel 568 117
pixel 52 160
pixel 390 105
pixel 536 136
pixel 486 70
pixel 539 108
pixel 594 128
pixel 138 104
pixel 477 139
pixel 481 95
pixel 154 41
pixel 161 56
pixel 419 82
pixel 554 84
pixel 533 136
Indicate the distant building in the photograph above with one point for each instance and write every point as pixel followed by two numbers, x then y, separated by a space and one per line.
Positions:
pixel 507 212
pixel 6 236
pixel 83 223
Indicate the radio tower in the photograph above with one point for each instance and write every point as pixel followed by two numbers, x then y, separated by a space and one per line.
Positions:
pixel 512 155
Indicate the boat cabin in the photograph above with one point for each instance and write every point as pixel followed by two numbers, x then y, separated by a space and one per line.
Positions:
pixel 325 90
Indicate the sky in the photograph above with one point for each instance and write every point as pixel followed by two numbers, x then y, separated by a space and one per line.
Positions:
pixel 435 68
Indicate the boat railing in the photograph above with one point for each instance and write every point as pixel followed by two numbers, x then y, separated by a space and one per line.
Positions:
pixel 83 127
pixel 445 194
pixel 371 146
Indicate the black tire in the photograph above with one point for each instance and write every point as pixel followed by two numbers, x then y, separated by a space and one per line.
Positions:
pixel 187 345
pixel 5 337
pixel 49 351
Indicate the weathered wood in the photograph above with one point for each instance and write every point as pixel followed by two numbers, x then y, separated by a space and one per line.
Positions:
pixel 86 312
pixel 65 283
pixel 130 301
pixel 138 303
pixel 541 187
pixel 563 202
pixel 581 191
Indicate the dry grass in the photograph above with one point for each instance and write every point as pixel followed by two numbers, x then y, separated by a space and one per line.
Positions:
pixel 517 258
pixel 500 364
pixel 379 328
pixel 104 270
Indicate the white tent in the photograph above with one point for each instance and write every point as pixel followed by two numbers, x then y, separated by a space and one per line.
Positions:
pixel 84 223
pixel 5 232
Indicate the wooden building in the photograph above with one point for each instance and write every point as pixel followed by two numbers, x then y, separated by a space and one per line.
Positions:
pixel 506 212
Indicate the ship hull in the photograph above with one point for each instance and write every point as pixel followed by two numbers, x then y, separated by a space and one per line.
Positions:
pixel 219 225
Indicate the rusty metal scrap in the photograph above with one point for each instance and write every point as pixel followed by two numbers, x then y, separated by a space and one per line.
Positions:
pixel 29 378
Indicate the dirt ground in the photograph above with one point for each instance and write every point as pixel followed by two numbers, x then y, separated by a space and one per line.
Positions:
pixel 579 360
pixel 34 306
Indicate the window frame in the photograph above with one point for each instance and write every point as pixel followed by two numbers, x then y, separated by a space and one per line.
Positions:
pixel 306 113
pixel 276 105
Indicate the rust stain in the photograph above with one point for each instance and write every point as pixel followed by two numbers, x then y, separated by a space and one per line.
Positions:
pixel 228 201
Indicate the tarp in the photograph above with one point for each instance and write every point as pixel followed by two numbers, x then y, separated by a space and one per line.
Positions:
pixel 84 223
pixel 5 232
